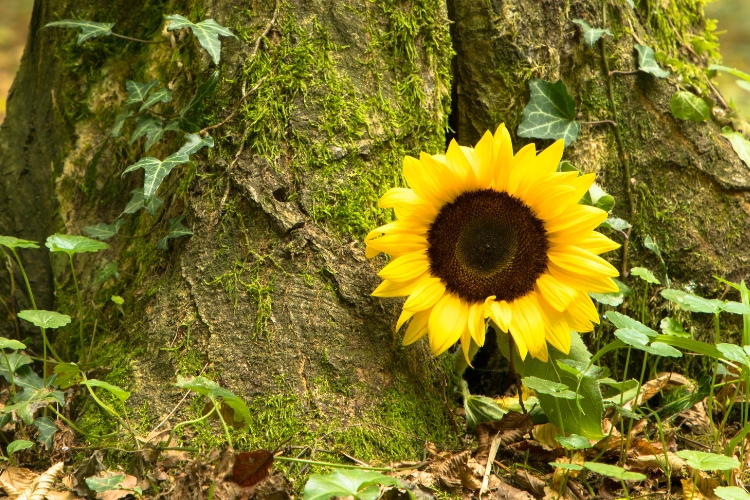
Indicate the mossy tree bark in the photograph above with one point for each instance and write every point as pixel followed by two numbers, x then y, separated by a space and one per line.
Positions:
pixel 270 296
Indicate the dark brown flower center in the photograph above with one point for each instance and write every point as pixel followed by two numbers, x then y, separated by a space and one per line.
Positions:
pixel 487 243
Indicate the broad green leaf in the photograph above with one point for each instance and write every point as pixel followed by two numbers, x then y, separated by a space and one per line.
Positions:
pixel 104 231
pixel 558 465
pixel 480 409
pixel 45 319
pixel 117 392
pixel 548 387
pixel 161 95
pixel 18 445
pixel 731 493
pixel 342 483
pixel 586 420
pixel 671 326
pixel 212 390
pixel 68 374
pixel 566 166
pixel 645 274
pixel 12 242
pixel 573 442
pixel 207 32
pixel 120 122
pixel 733 307
pixel 647 62
pixel 740 145
pixel 617 224
pixel 690 345
pixel 195 143
pixel 581 369
pixel 175 229
pixel 692 303
pixel 613 471
pixel 622 321
pixel 731 71
pixel 735 353
pixel 688 106
pixel 189 115
pixel 591 35
pixel 47 430
pixel 11 344
pixel 707 461
pixel 16 362
pixel 632 337
pixel 156 171
pixel 136 203
pixel 73 244
pixel 148 126
pixel 663 350
pixel 89 29
pixel 613 299
pixel 108 483
pixel 550 114
pixel 137 91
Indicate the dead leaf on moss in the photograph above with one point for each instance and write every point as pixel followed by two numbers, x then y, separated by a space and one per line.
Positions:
pixel 695 419
pixel 25 484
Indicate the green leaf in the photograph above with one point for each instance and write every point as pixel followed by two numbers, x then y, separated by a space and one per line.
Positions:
pixel 688 106
pixel 195 143
pixel 581 369
pixel 550 114
pixel 149 126
pixel 558 465
pixel 117 300
pixel 73 244
pixel 708 461
pixel 117 392
pixel 136 203
pixel 731 493
pixel 690 345
pixel 12 242
pixel 591 35
pixel 645 274
pixel 89 29
pixel 617 224
pixel 480 409
pixel 342 483
pixel 743 85
pixel 108 483
pixel 692 303
pixel 733 307
pixel 16 362
pixel 622 321
pixel 161 95
pixel 671 326
pixel 104 231
pixel 212 390
pixel 137 91
pixel 734 353
pixel 554 389
pixel 740 145
pixel 47 430
pixel 175 229
pixel 68 374
pixel 573 442
pixel 632 337
pixel 11 344
pixel 732 71
pixel 647 62
pixel 190 115
pixel 107 272
pixel 156 171
pixel 18 445
pixel 207 32
pixel 45 319
pixel 120 122
pixel 613 299
pixel 663 350
pixel 613 471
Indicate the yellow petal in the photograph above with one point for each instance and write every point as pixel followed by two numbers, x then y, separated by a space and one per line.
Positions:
pixel 527 324
pixel 399 196
pixel 432 180
pixel 578 260
pixel 582 282
pixel 556 329
pixel 425 295
pixel 503 148
pixel 477 325
pixel 417 328
pixel 397 288
pixel 396 227
pixel 396 245
pixel 542 165
pixel 577 323
pixel 555 293
pixel 519 167
pixel 484 161
pixel 406 267
pixel 403 318
pixel 574 224
pixel 458 160
pixel 466 345
pixel 597 243
pixel 584 308
pixel 498 311
pixel 447 322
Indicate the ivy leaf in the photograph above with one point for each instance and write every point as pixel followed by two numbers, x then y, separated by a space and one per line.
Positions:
pixel 108 271
pixel 647 62
pixel 137 202
pixel 707 461
pixel 104 231
pixel 175 229
pixel 591 35
pixel 550 114
pixel 645 274
pixel 45 319
pixel 688 106
pixel 152 128
pixel 89 29
pixel 108 483
pixel 212 391
pixel 195 143
pixel 613 471
pixel 156 170
pixel 47 430
pixel 189 115
pixel 18 445
pixel 362 484
pixel 73 244
pixel 117 392
pixel 740 145
pixel 13 242
pixel 137 91
pixel 207 32
pixel 161 95
pixel 120 122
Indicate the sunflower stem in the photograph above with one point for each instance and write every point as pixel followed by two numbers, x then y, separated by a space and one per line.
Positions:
pixel 516 376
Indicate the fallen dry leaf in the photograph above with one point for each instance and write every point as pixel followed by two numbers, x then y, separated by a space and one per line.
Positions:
pixel 695 419
pixel 23 484
pixel 62 495
pixel 545 434
pixel 455 473
pixel 529 482
pixel 250 467
pixel 677 465
pixel 688 491
pixel 129 482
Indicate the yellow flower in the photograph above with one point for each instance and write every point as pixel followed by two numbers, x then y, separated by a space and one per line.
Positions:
pixel 483 233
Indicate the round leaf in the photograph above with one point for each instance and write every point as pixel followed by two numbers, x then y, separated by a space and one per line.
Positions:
pixel 573 442
pixel 12 242
pixel 688 106
pixel 559 465
pixel 613 471
pixel 73 244
pixel 45 319
pixel 11 344
pixel 708 461
pixel 18 445
pixel 731 493
pixel 645 274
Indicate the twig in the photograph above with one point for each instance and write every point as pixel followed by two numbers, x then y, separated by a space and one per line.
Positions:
pixel 618 72
pixel 448 409
pixel 599 122
pixel 187 393
pixel 268 29
pixel 491 458
pixel 135 39
pixel 231 115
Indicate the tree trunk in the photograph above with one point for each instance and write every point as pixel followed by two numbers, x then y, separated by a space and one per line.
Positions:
pixel 270 295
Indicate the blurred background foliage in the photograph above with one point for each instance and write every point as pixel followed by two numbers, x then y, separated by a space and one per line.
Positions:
pixel 733 19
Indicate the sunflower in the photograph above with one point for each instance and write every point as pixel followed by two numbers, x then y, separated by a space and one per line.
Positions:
pixel 483 233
